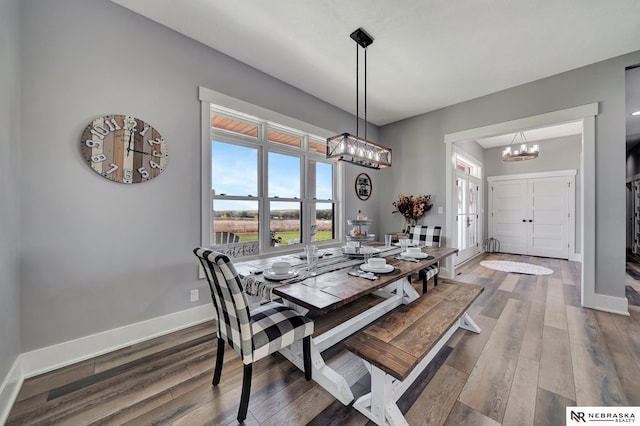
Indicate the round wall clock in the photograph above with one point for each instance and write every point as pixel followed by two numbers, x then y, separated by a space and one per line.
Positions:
pixel 124 149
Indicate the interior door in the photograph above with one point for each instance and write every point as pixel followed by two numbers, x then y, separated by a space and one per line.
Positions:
pixel 467 216
pixel 508 215
pixel 548 219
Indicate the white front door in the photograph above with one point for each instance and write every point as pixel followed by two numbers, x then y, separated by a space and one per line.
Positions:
pixel 467 216
pixel 531 216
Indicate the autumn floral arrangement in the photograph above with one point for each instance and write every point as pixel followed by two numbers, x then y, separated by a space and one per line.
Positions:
pixel 412 208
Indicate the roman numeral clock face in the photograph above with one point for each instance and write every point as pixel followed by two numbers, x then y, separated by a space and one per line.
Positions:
pixel 124 149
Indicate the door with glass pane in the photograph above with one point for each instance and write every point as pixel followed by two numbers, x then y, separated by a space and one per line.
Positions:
pixel 467 216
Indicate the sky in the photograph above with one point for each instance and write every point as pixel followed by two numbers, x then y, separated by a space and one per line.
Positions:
pixel 235 172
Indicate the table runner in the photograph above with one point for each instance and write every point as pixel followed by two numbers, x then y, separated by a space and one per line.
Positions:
pixel 255 285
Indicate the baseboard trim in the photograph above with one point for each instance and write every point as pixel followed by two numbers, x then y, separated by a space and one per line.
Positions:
pixel 614 305
pixel 575 257
pixel 10 388
pixel 52 357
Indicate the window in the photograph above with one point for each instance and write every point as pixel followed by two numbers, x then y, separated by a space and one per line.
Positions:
pixel 271 186
pixel 467 165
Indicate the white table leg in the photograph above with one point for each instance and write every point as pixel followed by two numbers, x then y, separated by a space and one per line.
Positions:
pixel 322 374
pixel 409 294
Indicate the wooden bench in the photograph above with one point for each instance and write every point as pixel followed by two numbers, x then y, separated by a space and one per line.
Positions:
pixel 398 347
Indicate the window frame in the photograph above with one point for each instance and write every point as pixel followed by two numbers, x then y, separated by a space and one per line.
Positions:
pixel 268 120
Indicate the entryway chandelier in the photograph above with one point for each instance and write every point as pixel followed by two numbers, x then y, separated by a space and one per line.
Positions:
pixel 525 152
pixel 353 148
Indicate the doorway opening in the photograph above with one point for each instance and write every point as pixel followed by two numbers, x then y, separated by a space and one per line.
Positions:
pixel 584 114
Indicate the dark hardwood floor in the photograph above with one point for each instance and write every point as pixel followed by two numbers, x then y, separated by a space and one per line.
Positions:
pixel 538 352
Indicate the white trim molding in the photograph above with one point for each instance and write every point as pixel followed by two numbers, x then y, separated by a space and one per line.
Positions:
pixel 612 304
pixel 47 359
pixel 10 388
pixel 66 353
pixel 554 173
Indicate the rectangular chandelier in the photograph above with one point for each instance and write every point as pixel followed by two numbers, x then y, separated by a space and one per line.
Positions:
pixel 356 150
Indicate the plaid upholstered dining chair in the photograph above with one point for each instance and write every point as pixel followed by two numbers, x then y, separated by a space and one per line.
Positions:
pixel 429 237
pixel 254 334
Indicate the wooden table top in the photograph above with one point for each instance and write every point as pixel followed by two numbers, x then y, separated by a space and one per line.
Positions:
pixel 329 291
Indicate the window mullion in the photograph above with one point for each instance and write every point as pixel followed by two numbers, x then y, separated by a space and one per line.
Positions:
pixel 265 234
pixel 305 213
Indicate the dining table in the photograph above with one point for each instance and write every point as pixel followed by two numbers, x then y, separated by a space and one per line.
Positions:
pixel 339 295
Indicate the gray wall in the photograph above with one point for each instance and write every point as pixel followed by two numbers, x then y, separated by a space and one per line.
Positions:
pixel 419 151
pixel 555 154
pixel 9 185
pixel 96 254
pixel 418 168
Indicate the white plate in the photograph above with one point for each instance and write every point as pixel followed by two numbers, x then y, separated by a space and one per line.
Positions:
pixel 415 255
pixel 270 275
pixel 367 268
pixel 411 244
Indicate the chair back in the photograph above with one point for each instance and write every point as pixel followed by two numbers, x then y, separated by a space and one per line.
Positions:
pixel 226 238
pixel 229 300
pixel 425 235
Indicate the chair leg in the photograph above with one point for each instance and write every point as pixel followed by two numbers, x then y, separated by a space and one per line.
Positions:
pixel 219 359
pixel 306 354
pixel 246 390
pixel 423 275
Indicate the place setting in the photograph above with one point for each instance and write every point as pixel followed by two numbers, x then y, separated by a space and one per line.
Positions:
pixel 413 254
pixel 280 271
pixel 373 267
pixel 405 242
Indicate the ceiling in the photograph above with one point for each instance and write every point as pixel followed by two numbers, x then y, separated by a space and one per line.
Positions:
pixel 550 132
pixel 426 54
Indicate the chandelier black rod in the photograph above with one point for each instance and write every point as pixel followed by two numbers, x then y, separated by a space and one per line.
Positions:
pixel 357 91
pixel 365 92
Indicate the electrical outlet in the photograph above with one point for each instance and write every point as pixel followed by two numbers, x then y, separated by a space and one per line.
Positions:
pixel 195 295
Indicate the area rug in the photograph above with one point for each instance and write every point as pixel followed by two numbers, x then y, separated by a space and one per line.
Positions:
pixel 517 267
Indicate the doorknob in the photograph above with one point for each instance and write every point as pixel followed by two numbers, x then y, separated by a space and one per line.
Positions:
pixel 524 220
pixel 530 220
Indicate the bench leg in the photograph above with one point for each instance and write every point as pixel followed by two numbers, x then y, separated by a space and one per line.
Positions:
pixel 379 405
pixel 469 324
